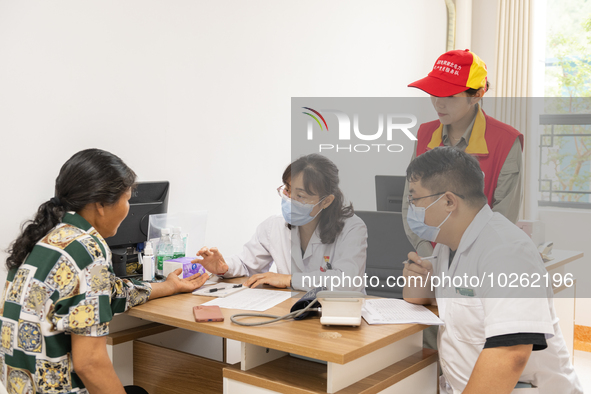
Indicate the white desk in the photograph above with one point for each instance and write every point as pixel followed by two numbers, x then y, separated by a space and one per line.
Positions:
pixel 561 258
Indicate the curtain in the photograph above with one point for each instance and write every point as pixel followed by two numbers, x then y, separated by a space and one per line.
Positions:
pixel 512 79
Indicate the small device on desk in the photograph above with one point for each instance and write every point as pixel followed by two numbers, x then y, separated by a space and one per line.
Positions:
pixel 341 308
pixel 148 198
pixel 204 313
pixel 546 251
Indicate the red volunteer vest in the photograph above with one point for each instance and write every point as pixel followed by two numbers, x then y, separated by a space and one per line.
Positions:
pixel 490 142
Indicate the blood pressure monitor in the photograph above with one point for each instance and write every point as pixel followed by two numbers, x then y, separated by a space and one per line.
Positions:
pixel 341 308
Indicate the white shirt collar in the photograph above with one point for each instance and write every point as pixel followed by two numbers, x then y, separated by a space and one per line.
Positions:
pixel 474 229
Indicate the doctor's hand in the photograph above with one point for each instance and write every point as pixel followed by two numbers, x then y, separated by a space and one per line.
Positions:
pixel 213 261
pixel 418 291
pixel 417 266
pixel 269 278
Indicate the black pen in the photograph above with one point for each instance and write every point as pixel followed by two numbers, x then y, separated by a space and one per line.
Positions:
pixel 237 286
pixel 216 289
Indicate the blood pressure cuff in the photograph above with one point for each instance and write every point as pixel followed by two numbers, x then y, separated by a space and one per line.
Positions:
pixel 305 301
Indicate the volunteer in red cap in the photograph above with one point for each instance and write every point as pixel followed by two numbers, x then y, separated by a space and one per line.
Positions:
pixel 456 85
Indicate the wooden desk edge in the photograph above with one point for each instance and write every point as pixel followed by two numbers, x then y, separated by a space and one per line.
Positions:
pixel 212 329
pixel 553 264
pixel 130 334
pixel 220 331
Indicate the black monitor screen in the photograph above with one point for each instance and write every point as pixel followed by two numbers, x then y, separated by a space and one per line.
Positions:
pixel 148 198
pixel 389 192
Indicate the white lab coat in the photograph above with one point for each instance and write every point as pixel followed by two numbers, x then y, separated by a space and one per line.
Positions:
pixel 274 242
pixel 494 245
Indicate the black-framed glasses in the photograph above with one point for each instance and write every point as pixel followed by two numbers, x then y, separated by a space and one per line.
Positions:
pixel 412 200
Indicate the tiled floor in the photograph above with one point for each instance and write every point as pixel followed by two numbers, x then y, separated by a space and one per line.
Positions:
pixel 583 369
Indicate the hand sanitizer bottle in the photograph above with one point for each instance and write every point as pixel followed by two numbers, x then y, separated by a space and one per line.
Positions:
pixel 148 263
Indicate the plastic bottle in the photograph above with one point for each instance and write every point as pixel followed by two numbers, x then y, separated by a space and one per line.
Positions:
pixel 165 250
pixel 148 263
pixel 178 245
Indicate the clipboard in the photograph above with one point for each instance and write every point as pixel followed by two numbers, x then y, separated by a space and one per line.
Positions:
pixel 224 290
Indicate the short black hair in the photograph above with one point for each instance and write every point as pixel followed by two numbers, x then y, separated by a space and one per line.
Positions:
pixel 446 168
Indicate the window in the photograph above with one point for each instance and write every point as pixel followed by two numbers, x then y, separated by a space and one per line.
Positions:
pixel 565 143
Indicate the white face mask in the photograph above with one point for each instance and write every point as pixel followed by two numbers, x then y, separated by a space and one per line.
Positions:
pixel 416 221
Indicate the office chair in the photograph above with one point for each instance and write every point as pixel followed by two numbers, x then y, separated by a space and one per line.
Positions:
pixel 387 249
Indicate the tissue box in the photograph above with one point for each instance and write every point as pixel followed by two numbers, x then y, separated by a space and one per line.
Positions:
pixel 189 268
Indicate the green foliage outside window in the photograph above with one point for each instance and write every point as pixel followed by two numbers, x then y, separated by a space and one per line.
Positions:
pixel 566 158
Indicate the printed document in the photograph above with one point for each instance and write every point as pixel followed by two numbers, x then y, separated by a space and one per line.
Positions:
pixel 394 311
pixel 252 300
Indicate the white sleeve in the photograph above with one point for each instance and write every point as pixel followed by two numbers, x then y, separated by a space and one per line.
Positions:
pixel 348 263
pixel 255 256
pixel 512 302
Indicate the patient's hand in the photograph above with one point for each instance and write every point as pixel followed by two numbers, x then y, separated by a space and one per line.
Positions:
pixel 269 278
pixel 213 261
pixel 186 285
pixel 173 284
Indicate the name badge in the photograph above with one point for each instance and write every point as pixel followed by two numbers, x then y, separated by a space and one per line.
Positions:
pixel 465 292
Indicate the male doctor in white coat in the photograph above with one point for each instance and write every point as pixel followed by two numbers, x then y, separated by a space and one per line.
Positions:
pixel 495 339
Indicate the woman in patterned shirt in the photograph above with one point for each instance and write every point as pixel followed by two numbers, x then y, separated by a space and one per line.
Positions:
pixel 61 291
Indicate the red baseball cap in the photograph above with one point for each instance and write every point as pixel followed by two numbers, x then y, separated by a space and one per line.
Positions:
pixel 454 72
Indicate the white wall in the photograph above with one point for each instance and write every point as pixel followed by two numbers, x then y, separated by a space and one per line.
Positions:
pixel 195 92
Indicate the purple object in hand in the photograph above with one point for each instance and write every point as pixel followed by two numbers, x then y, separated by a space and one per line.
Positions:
pixel 189 269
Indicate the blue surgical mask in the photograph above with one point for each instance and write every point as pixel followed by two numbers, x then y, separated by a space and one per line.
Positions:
pixel 416 221
pixel 297 213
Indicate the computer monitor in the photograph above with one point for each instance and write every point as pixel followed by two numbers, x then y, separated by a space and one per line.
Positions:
pixel 148 198
pixel 389 192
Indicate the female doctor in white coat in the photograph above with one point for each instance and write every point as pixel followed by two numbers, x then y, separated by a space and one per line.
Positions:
pixel 317 241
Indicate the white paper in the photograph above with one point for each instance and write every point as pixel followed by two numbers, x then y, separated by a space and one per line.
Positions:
pixel 223 289
pixel 252 300
pixel 394 311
